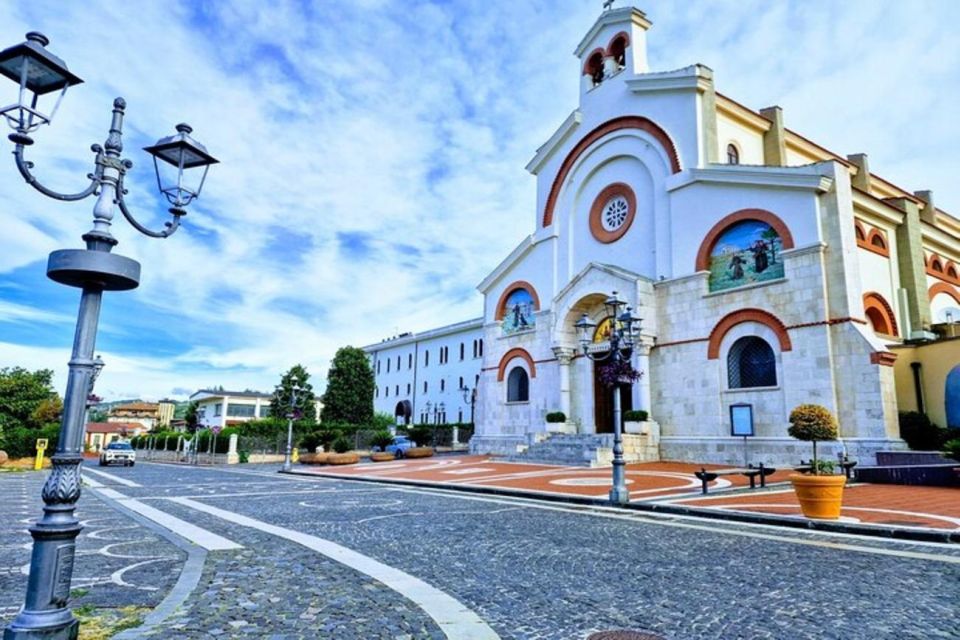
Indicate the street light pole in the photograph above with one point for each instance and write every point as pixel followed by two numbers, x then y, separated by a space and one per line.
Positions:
pixel 93 270
pixel 624 332
pixel 288 456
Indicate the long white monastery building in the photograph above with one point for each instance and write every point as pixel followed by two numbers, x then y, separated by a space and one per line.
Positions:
pixel 768 271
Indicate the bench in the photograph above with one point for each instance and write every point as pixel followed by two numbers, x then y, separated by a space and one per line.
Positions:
pixel 750 472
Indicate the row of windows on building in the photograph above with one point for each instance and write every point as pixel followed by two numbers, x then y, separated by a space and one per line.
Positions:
pixel 241 410
pixel 444 355
pixel 426 387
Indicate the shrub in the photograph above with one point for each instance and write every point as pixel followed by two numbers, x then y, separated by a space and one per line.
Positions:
pixel 381 440
pixel 421 435
pixel 635 415
pixel 952 449
pixel 327 436
pixel 21 442
pixel 310 442
pixel 920 433
pixel 556 416
pixel 341 445
pixel 243 456
pixel 810 423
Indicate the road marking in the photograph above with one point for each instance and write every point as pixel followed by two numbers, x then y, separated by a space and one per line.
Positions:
pixel 201 537
pixel 455 619
pixel 112 478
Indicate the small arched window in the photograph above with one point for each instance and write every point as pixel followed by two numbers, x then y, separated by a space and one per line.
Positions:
pixel 951 271
pixel 389 360
pixel 878 241
pixel 426 358
pixel 518 385
pixel 461 351
pixel 733 154
pixel 618 51
pixel 386 391
pixel 594 67
pixel 751 363
pixel 936 265
pixel 443 384
pixel 481 347
pixel 861 236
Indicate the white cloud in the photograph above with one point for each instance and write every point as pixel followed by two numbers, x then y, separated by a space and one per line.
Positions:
pixel 411 123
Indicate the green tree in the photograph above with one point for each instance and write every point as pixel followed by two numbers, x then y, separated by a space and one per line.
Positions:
pixel 349 395
pixel 305 409
pixel 27 398
pixel 190 415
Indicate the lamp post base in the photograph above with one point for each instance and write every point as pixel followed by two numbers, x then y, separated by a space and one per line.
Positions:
pixel 619 495
pixel 69 631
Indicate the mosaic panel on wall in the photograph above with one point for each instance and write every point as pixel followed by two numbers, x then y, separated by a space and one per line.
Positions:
pixel 746 253
pixel 518 312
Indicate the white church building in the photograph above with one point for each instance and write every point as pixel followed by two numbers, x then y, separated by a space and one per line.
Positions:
pixel 768 271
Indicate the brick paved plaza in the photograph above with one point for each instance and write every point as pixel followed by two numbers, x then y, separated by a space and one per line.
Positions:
pixel 245 552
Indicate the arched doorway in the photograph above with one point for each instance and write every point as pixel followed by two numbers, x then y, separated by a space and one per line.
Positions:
pixel 603 394
pixel 403 412
pixel 952 398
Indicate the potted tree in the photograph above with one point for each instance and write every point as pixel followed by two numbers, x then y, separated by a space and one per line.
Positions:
pixel 421 436
pixel 820 492
pixel 342 454
pixel 556 421
pixel 380 441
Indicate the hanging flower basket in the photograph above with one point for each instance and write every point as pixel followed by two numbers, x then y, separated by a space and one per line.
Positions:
pixel 619 373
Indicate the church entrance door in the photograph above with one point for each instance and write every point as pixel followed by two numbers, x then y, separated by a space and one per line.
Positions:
pixel 603 402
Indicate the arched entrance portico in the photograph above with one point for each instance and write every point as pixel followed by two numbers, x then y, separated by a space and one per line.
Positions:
pixel 403 412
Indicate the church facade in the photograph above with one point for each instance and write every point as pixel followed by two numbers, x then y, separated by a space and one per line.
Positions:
pixel 768 272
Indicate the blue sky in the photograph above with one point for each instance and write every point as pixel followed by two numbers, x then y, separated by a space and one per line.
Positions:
pixel 372 156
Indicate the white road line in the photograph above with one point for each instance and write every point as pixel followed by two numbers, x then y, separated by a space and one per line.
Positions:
pixel 93 483
pixel 455 619
pixel 112 478
pixel 201 537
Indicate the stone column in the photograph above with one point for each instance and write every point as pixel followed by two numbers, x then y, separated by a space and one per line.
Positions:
pixel 564 356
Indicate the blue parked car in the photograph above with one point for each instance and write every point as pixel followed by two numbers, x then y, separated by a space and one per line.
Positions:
pixel 399 446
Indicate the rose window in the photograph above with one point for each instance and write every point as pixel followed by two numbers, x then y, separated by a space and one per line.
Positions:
pixel 614 213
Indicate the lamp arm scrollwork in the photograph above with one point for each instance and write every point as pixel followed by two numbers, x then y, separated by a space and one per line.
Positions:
pixel 170 226
pixel 24 166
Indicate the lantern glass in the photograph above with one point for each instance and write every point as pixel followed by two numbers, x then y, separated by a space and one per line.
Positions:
pixel 174 159
pixel 38 72
pixel 585 329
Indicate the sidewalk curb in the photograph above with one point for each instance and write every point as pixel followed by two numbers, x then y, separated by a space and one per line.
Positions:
pixel 879 531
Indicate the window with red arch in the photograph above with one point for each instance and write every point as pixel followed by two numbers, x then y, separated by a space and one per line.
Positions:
pixel 618 50
pixel 880 314
pixel 516 308
pixel 743 249
pixel 951 271
pixel 594 66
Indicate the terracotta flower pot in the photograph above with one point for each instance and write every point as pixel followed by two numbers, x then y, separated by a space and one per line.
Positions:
pixel 343 458
pixel 820 496
pixel 418 452
pixel 314 458
pixel 382 456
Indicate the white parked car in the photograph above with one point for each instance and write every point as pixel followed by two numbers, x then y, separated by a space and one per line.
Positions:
pixel 118 453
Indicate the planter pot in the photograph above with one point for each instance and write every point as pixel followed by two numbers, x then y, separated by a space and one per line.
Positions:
pixel 342 458
pixel 561 427
pixel 314 458
pixel 418 452
pixel 633 427
pixel 820 496
pixel 382 456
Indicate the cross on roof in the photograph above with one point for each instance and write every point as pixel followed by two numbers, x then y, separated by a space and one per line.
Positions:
pixel 607 4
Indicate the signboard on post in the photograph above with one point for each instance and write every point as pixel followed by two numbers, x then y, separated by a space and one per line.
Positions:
pixel 216 429
pixel 741 424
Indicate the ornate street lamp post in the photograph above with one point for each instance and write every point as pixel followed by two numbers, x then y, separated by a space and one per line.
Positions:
pixel 291 414
pixel 93 270
pixel 469 395
pixel 624 332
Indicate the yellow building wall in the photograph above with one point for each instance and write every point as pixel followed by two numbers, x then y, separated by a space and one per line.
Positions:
pixel 937 359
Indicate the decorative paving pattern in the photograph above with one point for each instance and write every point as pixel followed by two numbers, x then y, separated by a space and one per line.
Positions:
pixel 118 561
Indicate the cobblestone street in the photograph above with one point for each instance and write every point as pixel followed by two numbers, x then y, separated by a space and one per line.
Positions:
pixel 340 559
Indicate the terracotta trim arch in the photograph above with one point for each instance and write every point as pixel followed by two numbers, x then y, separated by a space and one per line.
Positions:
pixel 861 231
pixel 731 320
pixel 950 269
pixel 935 263
pixel 513 286
pixel 626 42
pixel 616 124
pixel 943 287
pixel 516 352
pixel 874 301
pixel 703 255
pixel 871 243
pixel 586 61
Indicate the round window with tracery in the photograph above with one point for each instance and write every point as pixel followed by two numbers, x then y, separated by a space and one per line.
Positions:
pixel 612 212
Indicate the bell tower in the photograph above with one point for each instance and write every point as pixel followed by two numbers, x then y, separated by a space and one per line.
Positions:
pixel 616 43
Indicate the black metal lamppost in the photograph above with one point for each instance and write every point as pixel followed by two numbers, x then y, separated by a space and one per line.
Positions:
pixel 291 414
pixel 470 395
pixel 93 270
pixel 624 332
